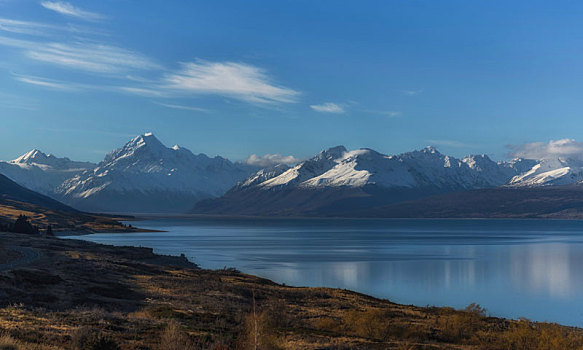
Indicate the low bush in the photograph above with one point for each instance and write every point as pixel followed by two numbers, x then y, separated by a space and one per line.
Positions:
pixel 87 339
pixel 175 338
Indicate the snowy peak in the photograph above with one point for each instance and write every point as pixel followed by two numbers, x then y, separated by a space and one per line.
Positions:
pixel 144 166
pixel 310 168
pixel 36 158
pixel 550 172
pixel 430 150
pixel 31 157
pixel 425 168
pixel 330 154
pixel 146 143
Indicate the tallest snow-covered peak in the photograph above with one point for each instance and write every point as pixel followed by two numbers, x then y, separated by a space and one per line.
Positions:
pixel 145 175
pixel 145 140
pixel 142 144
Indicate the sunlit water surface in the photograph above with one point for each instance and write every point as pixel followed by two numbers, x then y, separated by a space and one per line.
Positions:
pixel 514 268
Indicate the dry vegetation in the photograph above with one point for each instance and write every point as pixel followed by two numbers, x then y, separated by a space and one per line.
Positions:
pixel 82 296
pixel 61 221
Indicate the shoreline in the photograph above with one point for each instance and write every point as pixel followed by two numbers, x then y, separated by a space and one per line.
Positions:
pixel 136 289
pixel 442 302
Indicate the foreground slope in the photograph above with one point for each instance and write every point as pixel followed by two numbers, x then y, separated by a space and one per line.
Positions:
pixel 146 176
pixel 42 211
pixel 10 191
pixel 78 295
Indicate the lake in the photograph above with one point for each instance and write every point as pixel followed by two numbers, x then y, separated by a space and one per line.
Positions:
pixel 514 268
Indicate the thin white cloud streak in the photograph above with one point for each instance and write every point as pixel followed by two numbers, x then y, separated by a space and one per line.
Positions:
pixel 41 29
pixel 141 91
pixel 11 101
pixel 268 160
pixel 236 80
pixel 328 107
pixel 97 58
pixel 563 148
pixel 44 83
pixel 390 114
pixel 67 9
pixel 228 79
pixel 16 43
pixel 412 92
pixel 181 107
pixel 91 57
pixel 25 27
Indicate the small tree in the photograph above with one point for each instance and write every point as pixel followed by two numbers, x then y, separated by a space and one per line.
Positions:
pixel 22 225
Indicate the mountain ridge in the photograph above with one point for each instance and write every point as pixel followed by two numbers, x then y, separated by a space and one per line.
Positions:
pixel 341 182
pixel 145 176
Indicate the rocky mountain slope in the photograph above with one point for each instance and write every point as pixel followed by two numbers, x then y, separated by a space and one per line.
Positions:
pixel 41 172
pixel 338 182
pixel 146 176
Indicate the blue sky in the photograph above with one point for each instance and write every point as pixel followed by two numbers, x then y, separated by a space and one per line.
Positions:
pixel 235 78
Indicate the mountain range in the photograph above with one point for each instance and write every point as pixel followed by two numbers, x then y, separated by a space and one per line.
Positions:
pixel 342 182
pixel 146 176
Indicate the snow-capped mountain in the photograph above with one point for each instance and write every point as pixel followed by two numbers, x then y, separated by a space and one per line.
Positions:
pixel 338 167
pixel 550 172
pixel 42 172
pixel 146 176
pixel 338 180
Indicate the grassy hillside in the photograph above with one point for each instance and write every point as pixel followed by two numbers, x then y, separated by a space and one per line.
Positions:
pixel 77 295
pixel 42 211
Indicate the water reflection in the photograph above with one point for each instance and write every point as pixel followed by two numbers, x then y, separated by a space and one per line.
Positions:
pixel 513 268
pixel 544 269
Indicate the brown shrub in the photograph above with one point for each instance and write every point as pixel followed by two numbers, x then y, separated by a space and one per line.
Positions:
pixel 526 335
pixel 86 339
pixel 460 326
pixel 262 328
pixel 175 338
pixel 371 323
pixel 8 343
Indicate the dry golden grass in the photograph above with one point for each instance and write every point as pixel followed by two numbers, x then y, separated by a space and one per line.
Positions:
pixel 139 300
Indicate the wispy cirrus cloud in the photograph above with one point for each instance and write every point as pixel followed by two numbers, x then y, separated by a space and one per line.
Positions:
pixel 98 58
pixel 236 80
pixel 46 83
pixel 182 107
pixel 25 27
pixel 412 92
pixel 86 56
pixel 67 9
pixel 329 107
pixel 268 160
pixel 564 148
pixel 239 81
pixel 389 114
pixel 43 30
pixel 11 101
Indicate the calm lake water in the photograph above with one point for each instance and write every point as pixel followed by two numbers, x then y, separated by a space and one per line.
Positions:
pixel 514 268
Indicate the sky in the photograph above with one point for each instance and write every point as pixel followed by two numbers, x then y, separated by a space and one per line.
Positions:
pixel 287 79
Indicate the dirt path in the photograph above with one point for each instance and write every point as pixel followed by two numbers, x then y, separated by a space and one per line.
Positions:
pixel 29 255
